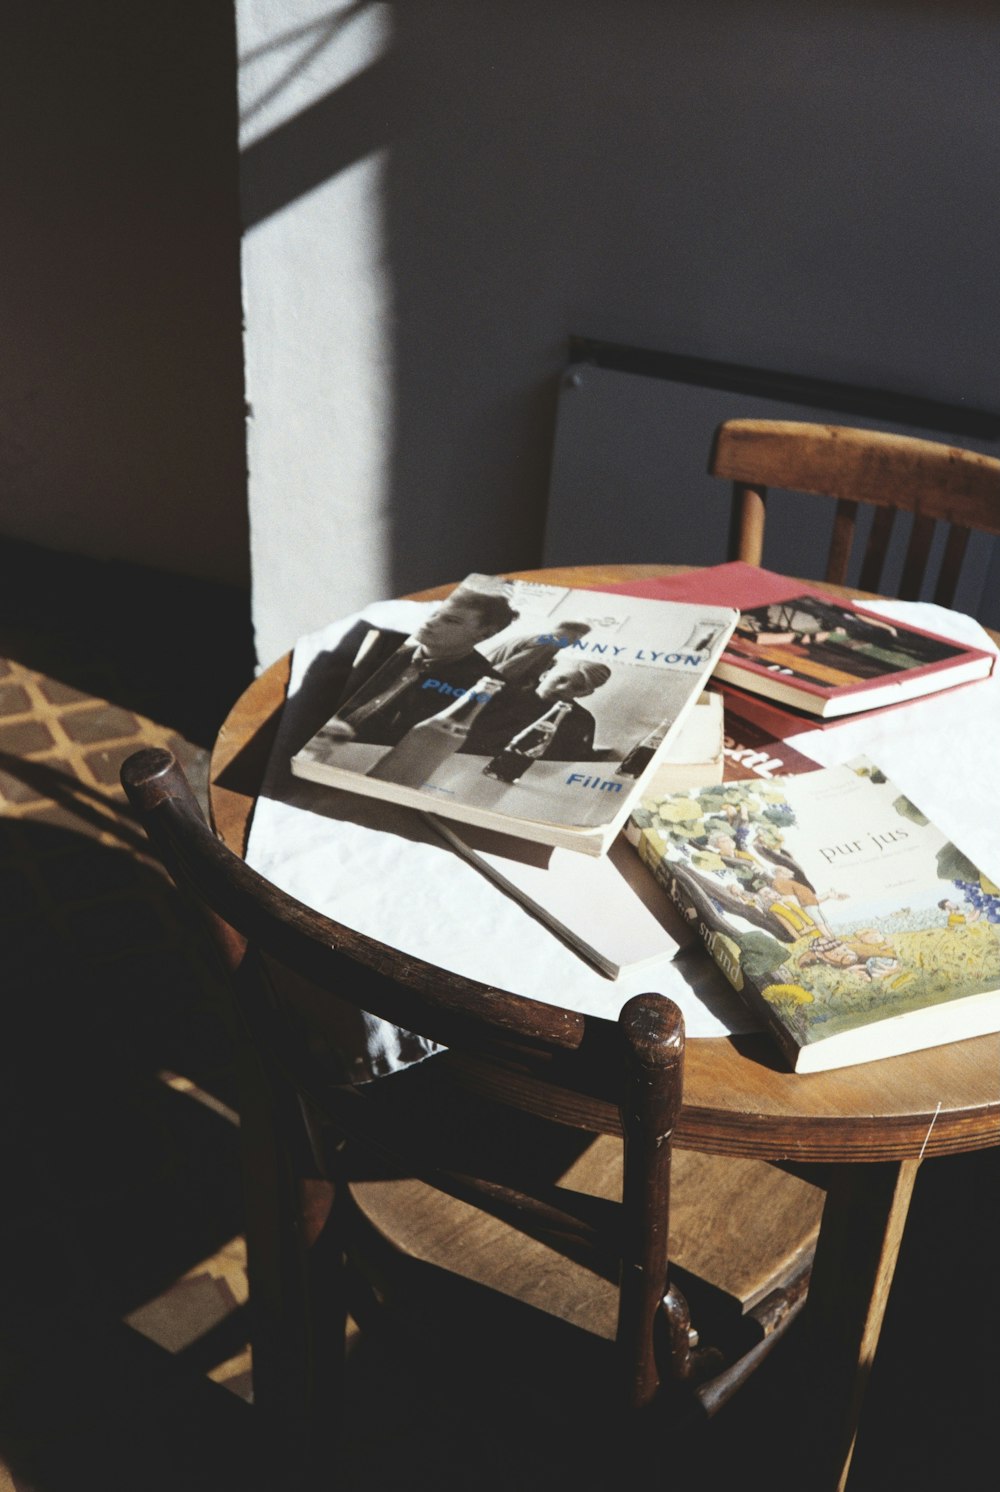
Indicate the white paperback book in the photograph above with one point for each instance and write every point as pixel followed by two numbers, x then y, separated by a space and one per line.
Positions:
pixel 527 708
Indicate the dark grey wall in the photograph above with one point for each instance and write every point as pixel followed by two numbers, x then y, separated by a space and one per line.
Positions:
pixel 121 419
pixel 801 187
pixel 807 187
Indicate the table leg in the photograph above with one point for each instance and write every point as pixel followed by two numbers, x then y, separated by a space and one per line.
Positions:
pixel 862 1228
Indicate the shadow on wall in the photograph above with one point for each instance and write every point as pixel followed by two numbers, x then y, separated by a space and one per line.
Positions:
pixel 121 376
pixel 743 183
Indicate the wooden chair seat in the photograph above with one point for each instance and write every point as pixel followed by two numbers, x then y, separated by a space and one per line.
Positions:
pixel 741 1232
pixel 741 1227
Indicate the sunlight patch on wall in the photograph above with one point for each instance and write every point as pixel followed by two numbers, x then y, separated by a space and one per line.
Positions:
pixel 316 310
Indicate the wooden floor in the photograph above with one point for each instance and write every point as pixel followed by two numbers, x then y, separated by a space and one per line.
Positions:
pixel 123 1342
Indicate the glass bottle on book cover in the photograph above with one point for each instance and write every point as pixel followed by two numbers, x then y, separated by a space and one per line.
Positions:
pixel 527 746
pixel 641 754
pixel 429 743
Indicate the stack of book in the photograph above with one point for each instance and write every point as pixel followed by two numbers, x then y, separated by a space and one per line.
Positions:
pixel 817 658
pixel 548 733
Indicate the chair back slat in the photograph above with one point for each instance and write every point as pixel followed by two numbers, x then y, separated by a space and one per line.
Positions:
pixel 653 1039
pixel 917 554
pixel 841 541
pixel 888 472
pixel 879 536
pixel 951 564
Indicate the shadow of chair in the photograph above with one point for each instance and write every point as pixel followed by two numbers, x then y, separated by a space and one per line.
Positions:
pixel 892 473
pixel 490 1180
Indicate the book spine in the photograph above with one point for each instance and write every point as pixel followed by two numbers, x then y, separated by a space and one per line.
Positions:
pixel 696 914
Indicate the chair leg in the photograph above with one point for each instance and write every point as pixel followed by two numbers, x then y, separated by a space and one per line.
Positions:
pixel 326 1327
pixel 862 1229
pixel 296 1332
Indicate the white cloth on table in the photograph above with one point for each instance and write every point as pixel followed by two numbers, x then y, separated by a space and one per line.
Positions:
pixel 385 873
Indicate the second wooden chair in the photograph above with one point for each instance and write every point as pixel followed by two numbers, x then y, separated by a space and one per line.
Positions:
pixel 889 472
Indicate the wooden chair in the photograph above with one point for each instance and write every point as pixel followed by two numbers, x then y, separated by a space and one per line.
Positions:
pixel 495 1171
pixel 890 472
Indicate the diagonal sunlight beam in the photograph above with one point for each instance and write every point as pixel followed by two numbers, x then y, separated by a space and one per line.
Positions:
pixel 321 32
pixel 326 24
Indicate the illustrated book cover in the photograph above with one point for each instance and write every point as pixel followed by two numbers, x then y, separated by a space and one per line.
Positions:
pixel 608 908
pixel 848 921
pixel 532 709
pixel 828 657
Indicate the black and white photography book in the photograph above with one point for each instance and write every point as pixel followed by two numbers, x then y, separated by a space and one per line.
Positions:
pixel 533 709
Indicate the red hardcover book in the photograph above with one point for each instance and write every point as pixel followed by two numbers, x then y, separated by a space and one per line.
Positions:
pixel 753 742
pixel 809 651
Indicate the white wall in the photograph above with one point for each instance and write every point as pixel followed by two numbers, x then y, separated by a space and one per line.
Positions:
pixel 317 308
pixel 121 383
pixel 437 194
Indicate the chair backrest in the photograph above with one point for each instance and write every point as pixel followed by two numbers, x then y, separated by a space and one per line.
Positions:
pixel 890 472
pixel 601 1076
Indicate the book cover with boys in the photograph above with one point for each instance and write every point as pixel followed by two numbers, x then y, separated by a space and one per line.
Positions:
pixel 850 921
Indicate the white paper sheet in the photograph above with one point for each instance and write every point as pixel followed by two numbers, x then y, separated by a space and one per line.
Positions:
pixel 383 872
pixel 942 751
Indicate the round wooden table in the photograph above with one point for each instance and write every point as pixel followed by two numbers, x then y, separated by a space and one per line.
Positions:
pixel 738 1097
